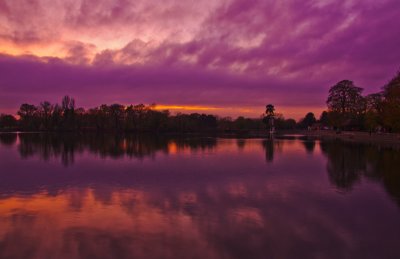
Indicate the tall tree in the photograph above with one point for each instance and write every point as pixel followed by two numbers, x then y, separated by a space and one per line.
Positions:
pixel 345 103
pixel 373 111
pixel 269 110
pixel 269 116
pixel 45 110
pixel 391 107
pixel 68 108
pixel 28 114
pixel 117 112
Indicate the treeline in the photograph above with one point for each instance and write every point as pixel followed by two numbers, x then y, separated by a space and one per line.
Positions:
pixel 115 117
pixel 133 118
pixel 348 109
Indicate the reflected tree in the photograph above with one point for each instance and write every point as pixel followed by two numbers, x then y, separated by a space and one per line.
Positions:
pixel 241 143
pixel 349 162
pixel 64 146
pixel 309 145
pixel 269 149
pixel 8 139
pixel 346 163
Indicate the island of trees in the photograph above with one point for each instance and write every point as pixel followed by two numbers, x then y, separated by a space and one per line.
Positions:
pixel 347 109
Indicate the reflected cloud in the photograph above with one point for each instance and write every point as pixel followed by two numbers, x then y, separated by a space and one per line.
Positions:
pixel 154 223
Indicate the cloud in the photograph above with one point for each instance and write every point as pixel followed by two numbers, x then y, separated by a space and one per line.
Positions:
pixel 233 52
pixel 94 84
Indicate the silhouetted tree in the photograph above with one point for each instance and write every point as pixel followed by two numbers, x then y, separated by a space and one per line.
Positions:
pixel 46 111
pixel 345 104
pixel 28 116
pixel 308 120
pixel 130 118
pixel 117 114
pixel 137 118
pixel 68 109
pixel 270 110
pixel 324 119
pixel 290 124
pixel 8 122
pixel 269 116
pixel 56 117
pixel 391 107
pixel 373 112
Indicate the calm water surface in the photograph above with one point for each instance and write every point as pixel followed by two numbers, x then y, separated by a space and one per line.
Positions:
pixel 154 197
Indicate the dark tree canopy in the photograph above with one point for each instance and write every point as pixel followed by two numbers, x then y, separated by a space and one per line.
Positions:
pixel 346 104
pixel 269 110
pixel 308 120
pixel 7 121
pixel 391 106
pixel 324 119
pixel 345 98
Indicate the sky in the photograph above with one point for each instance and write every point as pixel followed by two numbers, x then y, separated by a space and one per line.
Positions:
pixel 227 57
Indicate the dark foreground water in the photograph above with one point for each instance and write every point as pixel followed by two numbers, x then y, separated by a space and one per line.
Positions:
pixel 153 197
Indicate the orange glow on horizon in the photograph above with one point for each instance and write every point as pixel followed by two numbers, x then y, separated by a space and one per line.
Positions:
pixel 185 107
pixel 296 113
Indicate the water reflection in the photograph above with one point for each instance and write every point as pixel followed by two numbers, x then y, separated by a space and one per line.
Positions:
pixel 241 143
pixel 269 149
pixel 8 139
pixel 160 197
pixel 349 163
pixel 309 145
pixel 48 146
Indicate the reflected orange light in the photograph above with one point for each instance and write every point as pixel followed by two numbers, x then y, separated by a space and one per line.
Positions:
pixel 50 220
pixel 172 148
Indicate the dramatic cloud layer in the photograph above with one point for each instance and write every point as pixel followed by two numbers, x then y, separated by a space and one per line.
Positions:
pixel 235 54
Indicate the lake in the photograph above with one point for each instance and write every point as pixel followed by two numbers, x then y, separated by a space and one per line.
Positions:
pixel 106 196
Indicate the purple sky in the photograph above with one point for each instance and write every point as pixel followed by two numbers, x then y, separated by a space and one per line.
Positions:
pixel 231 56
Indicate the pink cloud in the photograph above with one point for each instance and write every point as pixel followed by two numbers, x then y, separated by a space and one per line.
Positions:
pixel 234 53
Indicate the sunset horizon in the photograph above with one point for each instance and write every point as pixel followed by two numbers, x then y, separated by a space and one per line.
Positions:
pixel 201 129
pixel 228 57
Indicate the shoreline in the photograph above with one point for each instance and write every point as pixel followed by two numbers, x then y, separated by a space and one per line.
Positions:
pixel 356 136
